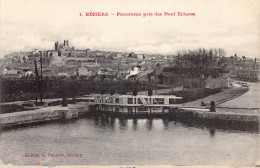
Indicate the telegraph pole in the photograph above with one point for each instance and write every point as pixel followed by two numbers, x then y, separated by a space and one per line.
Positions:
pixel 36 78
pixel 41 90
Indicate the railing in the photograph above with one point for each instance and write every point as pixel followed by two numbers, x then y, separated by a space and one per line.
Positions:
pixel 143 100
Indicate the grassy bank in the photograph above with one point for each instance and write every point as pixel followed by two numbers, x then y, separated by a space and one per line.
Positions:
pixel 196 93
pixel 223 96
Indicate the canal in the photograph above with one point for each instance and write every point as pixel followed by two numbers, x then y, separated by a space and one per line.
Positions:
pixel 140 142
pixel 128 141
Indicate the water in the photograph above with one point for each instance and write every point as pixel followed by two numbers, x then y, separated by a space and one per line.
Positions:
pixel 128 141
pixel 141 142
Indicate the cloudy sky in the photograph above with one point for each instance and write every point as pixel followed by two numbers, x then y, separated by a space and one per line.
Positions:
pixel 230 24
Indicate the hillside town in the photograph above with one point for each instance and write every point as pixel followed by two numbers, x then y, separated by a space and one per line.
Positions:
pixel 64 61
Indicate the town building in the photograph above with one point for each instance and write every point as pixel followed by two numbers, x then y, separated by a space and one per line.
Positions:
pixel 83 71
pixel 62 46
pixel 140 56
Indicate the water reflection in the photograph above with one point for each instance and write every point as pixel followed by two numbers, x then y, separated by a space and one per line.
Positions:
pixel 104 121
pixel 111 122
pixel 123 124
pixel 135 124
pixel 105 140
pixel 96 121
pixel 221 125
pixel 212 132
pixel 212 126
pixel 166 123
pixel 149 124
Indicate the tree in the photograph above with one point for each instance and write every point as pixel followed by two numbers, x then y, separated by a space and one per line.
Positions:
pixel 112 92
pixel 197 61
pixel 135 91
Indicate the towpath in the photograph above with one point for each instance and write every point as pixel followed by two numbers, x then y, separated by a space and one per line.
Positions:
pixel 249 100
pixel 225 95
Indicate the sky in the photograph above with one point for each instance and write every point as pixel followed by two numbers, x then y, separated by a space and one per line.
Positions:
pixel 233 25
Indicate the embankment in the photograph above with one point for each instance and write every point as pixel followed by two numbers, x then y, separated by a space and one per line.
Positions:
pixel 218 98
pixel 43 114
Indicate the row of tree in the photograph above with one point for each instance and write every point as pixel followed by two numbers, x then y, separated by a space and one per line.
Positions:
pixel 201 58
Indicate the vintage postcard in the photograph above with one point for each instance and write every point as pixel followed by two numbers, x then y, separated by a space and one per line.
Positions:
pixel 129 83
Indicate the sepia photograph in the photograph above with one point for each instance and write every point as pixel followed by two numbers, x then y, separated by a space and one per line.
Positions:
pixel 129 84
